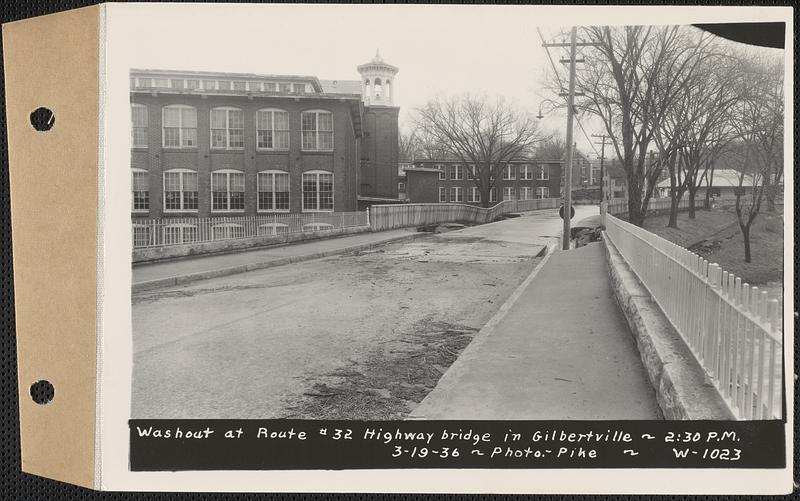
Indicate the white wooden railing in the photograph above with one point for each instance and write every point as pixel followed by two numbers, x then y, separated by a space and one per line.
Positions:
pixel 734 330
pixel 184 230
pixel 386 217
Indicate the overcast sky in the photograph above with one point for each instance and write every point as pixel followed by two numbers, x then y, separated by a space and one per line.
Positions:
pixel 438 49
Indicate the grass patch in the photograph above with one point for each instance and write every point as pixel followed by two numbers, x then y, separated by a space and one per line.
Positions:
pixel 720 240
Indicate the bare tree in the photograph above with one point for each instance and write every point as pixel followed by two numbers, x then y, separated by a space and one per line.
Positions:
pixel 631 78
pixel 480 132
pixel 760 130
pixel 552 148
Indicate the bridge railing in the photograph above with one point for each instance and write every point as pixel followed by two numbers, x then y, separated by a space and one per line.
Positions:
pixel 734 330
pixel 386 217
pixel 184 230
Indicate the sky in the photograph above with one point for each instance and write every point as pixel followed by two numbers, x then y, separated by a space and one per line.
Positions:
pixel 439 50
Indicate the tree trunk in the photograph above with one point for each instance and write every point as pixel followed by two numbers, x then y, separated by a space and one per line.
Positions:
pixel 746 237
pixel 692 194
pixel 707 202
pixel 673 212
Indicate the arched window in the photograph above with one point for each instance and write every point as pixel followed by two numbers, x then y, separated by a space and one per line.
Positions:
pixel 226 231
pixel 317 226
pixel 273 191
pixel 180 190
pixel 179 233
pixel 272 129
pixel 227 190
pixel 179 126
pixel 273 229
pixel 388 89
pixel 140 188
pixel 318 191
pixel 367 89
pixel 317 130
pixel 378 88
pixel 139 125
pixel 227 128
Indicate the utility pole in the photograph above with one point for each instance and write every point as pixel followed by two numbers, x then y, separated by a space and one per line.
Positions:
pixel 568 174
pixel 602 144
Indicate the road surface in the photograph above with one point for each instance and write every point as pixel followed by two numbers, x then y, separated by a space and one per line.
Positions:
pixel 365 334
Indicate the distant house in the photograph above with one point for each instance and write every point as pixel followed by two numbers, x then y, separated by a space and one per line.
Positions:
pixel 724 182
pixel 615 182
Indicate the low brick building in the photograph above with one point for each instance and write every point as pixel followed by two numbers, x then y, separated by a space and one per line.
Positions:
pixel 523 179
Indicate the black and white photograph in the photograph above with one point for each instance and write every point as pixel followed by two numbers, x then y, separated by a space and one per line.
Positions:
pixel 389 222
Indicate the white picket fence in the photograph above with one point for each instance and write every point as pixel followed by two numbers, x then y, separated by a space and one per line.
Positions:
pixel 620 206
pixel 178 231
pixel 386 217
pixel 734 330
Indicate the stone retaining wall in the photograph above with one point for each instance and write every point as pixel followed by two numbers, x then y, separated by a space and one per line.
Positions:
pixel 682 388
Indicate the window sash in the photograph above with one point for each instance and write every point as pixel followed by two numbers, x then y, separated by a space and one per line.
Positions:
pixel 508 193
pixel 273 191
pixel 542 173
pixel 227 191
pixel 227 129
pixel 508 173
pixel 180 191
pixel 317 130
pixel 140 188
pixel 179 127
pixel 443 194
pixel 318 192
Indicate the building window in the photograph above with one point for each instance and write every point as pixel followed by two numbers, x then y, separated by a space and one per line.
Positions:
pixel 161 82
pixel 179 234
pixel 192 84
pixel 227 190
pixel 525 172
pixel 180 190
pixel 240 86
pixel 141 235
pixel 227 128
pixel 526 193
pixel 442 175
pixel 180 126
pixel 176 83
pixel 317 130
pixel 456 194
pixel 508 193
pixel 273 191
pixel 317 191
pixel 508 173
pixel 140 186
pixel 139 128
pixel 542 173
pixel 457 172
pixel 226 231
pixel 224 84
pixel 471 171
pixel 474 194
pixel 401 186
pixel 273 229
pixel 272 129
pixel 443 194
pixel 285 87
pixel 209 84
pixel 493 194
pixel 542 192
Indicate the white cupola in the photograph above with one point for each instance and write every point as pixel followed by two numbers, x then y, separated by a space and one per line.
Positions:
pixel 377 81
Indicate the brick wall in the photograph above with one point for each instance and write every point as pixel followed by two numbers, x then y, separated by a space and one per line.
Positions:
pixel 343 161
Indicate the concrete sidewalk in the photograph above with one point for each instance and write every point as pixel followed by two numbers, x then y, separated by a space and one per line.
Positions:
pixel 154 275
pixel 559 349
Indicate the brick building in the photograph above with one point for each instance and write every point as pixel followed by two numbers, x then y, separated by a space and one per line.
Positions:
pixel 209 144
pixel 523 179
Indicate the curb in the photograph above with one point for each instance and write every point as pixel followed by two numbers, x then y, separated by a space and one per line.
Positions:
pixel 682 388
pixel 222 272
pixel 457 370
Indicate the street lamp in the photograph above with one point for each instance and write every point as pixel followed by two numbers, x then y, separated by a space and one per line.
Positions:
pixel 546 101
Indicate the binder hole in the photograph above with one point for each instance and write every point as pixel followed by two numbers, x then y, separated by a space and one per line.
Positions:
pixel 42 119
pixel 42 392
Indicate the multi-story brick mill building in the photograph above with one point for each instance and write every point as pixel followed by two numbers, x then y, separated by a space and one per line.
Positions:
pixel 209 144
pixel 523 179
